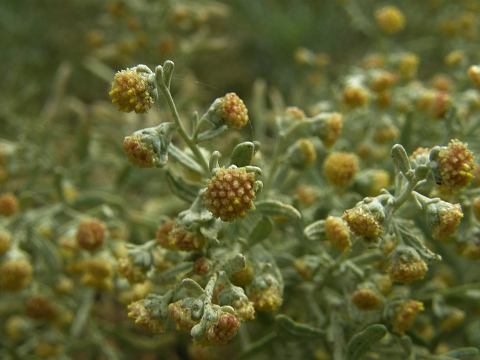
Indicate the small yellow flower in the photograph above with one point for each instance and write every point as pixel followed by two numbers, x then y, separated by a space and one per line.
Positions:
pixel 340 168
pixel 390 19
pixel 134 90
pixel 230 193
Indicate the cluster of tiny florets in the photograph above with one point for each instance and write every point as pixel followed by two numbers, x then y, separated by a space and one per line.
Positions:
pixel 340 168
pixel 98 273
pixel 144 318
pixel 334 125
pixel 127 269
pixel 91 234
pixel 406 265
pixel 363 222
pixel 337 233
pixel 230 193
pixel 131 91
pixel 172 237
pixel 449 218
pixel 5 241
pixel 181 314
pixel 355 96
pixel 456 165
pixel 8 204
pixel 40 307
pixel 16 274
pixel 266 293
pixel 406 315
pixel 220 331
pixel 366 299
pixel 231 111
pixel 390 19
pixel 302 154
pixel 138 152
pixel 474 75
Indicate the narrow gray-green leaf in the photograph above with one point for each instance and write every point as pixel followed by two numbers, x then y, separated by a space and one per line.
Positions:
pixel 261 231
pixel 184 159
pixel 278 210
pixel 184 190
pixel 242 154
pixel 361 342
pixel 315 231
pixel 290 330
pixel 463 353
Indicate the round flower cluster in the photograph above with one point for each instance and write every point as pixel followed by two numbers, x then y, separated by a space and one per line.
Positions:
pixel 444 219
pixel 5 241
pixel 366 299
pixel 294 113
pixel 474 75
pixel 221 330
pixel 405 265
pixel 405 316
pixel 181 314
pixel 98 273
pixel 229 110
pixel 355 96
pixel 230 193
pixel 138 151
pixel 408 66
pixel 337 233
pixel 144 318
pixel 8 204
pixel 132 90
pixel 364 219
pixel 266 293
pixel 39 307
pixel 340 168
pixel 456 165
pixel 333 128
pixel 302 154
pixel 201 266
pixel 126 268
pixel 172 237
pixel 245 276
pixel 90 234
pixel 383 81
pixel 15 274
pixel 390 19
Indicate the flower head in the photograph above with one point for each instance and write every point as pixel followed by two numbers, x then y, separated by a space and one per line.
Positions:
pixel 406 314
pixel 15 274
pixel 228 110
pixel 230 193
pixel 144 318
pixel 366 218
pixel 91 234
pixel 444 219
pixel 266 293
pixel 134 90
pixel 453 166
pixel 474 75
pixel 366 299
pixel 405 265
pixel 355 96
pixel 337 233
pixel 8 204
pixel 221 331
pixel 138 152
pixel 390 19
pixel 340 168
